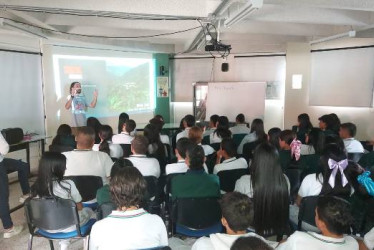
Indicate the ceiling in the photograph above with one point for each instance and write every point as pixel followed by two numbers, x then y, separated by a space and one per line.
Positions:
pixel 131 23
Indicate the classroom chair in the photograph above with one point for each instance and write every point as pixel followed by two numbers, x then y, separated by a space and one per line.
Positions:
pixel 307 211
pixel 126 150
pixel 228 178
pixel 104 210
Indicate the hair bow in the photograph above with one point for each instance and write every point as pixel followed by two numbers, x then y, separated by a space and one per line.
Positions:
pixel 365 180
pixel 295 149
pixel 335 166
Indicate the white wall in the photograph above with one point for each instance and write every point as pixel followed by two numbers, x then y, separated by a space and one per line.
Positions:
pixel 296 101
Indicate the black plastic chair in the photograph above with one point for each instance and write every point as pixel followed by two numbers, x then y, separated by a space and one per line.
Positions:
pixel 367 146
pixel 105 209
pixel 53 214
pixel 206 140
pixel 196 217
pixel 211 162
pixel 126 150
pixel 294 176
pixel 228 178
pixel 168 152
pixel 153 195
pixel 307 211
pixel 248 150
pixel 60 148
pixel 216 146
pixel 238 138
pixel 367 160
pixel 355 156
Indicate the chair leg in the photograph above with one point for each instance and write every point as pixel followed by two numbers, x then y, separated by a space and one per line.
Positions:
pixel 51 244
pixel 29 247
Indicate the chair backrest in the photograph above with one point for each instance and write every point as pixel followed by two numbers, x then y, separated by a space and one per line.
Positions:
pixel 87 185
pixel 367 145
pixel 248 150
pixel 367 161
pixel 60 148
pixel 294 176
pixel 211 162
pixel 355 156
pixel 105 209
pixel 228 178
pixel 196 213
pixel 51 214
pixel 153 195
pixel 216 146
pixel 168 152
pixel 126 150
pixel 206 140
pixel 238 138
pixel 307 211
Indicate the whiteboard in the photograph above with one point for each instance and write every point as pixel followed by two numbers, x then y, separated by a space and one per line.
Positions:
pixel 231 98
pixel 342 78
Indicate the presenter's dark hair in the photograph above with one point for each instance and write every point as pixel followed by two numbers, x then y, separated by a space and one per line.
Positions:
pixel 270 187
pixel 196 157
pixel 123 117
pixel 120 163
pixel 304 122
pixel 52 166
pixel 240 118
pixel 335 213
pixel 128 187
pixel 273 137
pixel 250 243
pixel 257 126
pixel 222 130
pixel 72 86
pixel 63 130
pixel 229 146
pixel 105 133
pixel 350 127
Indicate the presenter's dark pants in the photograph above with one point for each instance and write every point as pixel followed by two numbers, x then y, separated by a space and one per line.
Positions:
pixel 23 172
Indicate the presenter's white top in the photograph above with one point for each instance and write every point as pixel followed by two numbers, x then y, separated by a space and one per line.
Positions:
pixel 247 139
pixel 312 241
pixel 221 241
pixel 78 104
pixel 135 229
pixel 146 165
pixel 231 164
pixel 122 138
pixel 183 134
pixel 88 162
pixel 116 150
pixel 353 146
pixel 4 147
pixel 240 129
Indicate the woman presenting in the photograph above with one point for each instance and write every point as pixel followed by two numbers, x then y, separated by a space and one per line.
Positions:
pixel 78 104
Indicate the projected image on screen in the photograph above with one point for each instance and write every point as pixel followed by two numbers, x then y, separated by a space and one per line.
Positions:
pixel 123 84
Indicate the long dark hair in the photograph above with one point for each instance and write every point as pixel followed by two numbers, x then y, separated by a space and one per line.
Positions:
pixel 223 130
pixel 52 166
pixel 304 122
pixel 96 125
pixel 105 133
pixel 335 152
pixel 273 135
pixel 63 130
pixel 123 117
pixel 153 135
pixel 335 126
pixel 257 126
pixel 316 138
pixel 270 192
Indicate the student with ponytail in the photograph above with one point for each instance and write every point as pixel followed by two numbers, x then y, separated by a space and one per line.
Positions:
pixel 106 145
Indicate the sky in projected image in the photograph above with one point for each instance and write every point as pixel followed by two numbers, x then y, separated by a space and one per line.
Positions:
pixel 124 84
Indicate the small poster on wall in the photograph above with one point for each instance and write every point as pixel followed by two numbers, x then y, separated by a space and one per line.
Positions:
pixel 162 86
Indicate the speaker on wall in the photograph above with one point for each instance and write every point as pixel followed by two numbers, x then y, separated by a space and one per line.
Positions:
pixel 225 67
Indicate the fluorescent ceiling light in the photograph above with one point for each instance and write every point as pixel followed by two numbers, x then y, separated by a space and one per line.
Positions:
pixel 242 13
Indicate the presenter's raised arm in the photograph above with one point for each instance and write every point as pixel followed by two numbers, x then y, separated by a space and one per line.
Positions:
pixel 68 103
pixel 94 101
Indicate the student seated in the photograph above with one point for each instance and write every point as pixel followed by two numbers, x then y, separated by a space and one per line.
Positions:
pixel 237 215
pixel 126 136
pixel 273 137
pixel 347 132
pixel 196 136
pixel 159 123
pixel 180 166
pixel 250 243
pixel 228 153
pixel 146 165
pixel 328 180
pixel 106 145
pixel 123 117
pixel 50 183
pixel 326 124
pixel 103 193
pixel 64 137
pixel 333 218
pixel 212 125
pixel 221 132
pixel 155 146
pixel 290 149
pixel 314 142
pixel 85 161
pixel 304 126
pixel 130 226
pixel 240 126
pixel 257 134
pixel 188 122
pixel 196 182
pixel 95 124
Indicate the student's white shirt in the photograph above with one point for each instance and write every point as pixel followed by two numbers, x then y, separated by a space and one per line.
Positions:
pixel 221 241
pixel 123 138
pixel 312 241
pixel 369 239
pixel 230 164
pixel 176 168
pixel 116 150
pixel 208 150
pixel 240 129
pixel 165 139
pixel 247 139
pixel 88 162
pixel 208 131
pixel 135 229
pixel 214 138
pixel 244 185
pixel 310 186
pixel 4 147
pixel 146 165
pixel 353 146
pixel 307 150
pixel 183 134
